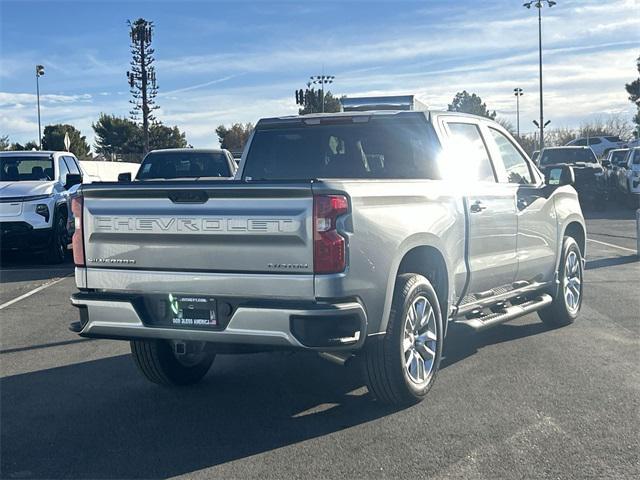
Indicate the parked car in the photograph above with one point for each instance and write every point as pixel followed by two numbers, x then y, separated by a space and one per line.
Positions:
pixel 35 192
pixel 615 159
pixel 599 145
pixel 354 234
pixel 589 174
pixel 628 175
pixel 184 163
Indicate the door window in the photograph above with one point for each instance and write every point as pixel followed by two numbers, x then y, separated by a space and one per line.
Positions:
pixel 71 165
pixel 514 162
pixel 470 152
pixel 63 170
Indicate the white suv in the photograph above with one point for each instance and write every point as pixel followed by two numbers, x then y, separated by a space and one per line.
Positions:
pixel 599 145
pixel 35 192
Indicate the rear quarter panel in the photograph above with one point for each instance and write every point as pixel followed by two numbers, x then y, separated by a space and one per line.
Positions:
pixel 389 218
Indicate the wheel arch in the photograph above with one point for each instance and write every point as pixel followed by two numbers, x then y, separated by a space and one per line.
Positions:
pixel 576 230
pixel 426 258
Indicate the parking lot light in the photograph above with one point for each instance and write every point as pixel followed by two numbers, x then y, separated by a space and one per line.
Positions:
pixel 39 73
pixel 539 4
pixel 322 80
pixel 518 93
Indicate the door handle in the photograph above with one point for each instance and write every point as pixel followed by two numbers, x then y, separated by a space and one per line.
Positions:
pixel 477 207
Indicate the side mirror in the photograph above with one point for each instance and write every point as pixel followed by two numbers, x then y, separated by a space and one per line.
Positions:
pixel 124 177
pixel 72 179
pixel 606 163
pixel 559 176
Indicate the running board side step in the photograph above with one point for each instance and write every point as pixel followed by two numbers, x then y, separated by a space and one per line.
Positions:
pixel 509 313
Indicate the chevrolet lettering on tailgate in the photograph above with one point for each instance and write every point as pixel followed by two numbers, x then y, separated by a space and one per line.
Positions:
pixel 195 225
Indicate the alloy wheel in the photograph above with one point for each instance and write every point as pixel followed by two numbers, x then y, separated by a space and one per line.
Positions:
pixel 572 282
pixel 420 340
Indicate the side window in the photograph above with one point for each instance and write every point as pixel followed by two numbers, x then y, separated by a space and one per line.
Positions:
pixel 71 165
pixel 636 158
pixel 514 163
pixel 468 142
pixel 63 169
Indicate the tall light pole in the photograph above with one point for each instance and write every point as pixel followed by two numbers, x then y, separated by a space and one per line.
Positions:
pixel 322 80
pixel 39 73
pixel 518 93
pixel 539 4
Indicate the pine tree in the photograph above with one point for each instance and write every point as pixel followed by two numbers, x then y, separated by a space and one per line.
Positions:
pixel 142 76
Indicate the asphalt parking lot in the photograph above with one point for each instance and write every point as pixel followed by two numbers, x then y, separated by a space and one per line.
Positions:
pixel 518 401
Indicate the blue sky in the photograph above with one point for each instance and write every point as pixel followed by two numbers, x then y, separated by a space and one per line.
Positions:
pixel 222 62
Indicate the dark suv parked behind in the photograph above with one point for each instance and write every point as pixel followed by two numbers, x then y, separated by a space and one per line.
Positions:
pixel 590 179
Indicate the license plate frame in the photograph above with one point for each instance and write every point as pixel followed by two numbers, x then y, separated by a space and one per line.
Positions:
pixel 193 312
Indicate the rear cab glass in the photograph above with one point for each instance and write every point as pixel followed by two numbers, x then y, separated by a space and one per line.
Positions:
pixel 567 155
pixel 184 164
pixel 619 157
pixel 399 147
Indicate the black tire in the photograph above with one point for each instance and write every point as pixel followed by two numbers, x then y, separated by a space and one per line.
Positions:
pixel 560 313
pixel 158 363
pixel 385 356
pixel 57 249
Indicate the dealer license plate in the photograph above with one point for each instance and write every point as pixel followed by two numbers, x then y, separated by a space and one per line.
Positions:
pixel 189 311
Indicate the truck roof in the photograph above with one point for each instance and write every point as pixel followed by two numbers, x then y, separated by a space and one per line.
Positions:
pixel 368 113
pixel 23 153
pixel 187 149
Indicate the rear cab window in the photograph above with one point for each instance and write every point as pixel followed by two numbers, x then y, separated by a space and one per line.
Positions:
pixel 184 164
pixel 400 147
pixel 551 156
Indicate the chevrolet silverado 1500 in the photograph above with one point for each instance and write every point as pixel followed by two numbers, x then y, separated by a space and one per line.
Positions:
pixel 358 234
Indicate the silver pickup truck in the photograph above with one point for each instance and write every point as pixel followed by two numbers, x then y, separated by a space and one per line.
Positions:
pixel 359 235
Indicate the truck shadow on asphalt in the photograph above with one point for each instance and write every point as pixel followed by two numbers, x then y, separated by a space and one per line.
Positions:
pixel 101 419
pixel 610 262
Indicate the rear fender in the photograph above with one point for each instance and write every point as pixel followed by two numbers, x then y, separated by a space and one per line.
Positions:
pixel 417 240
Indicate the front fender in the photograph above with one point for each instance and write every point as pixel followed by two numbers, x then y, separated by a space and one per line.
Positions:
pixel 568 211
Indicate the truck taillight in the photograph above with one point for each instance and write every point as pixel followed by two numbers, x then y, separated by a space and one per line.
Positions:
pixel 77 242
pixel 329 247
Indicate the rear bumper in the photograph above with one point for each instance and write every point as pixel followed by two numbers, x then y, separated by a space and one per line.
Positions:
pixel 315 326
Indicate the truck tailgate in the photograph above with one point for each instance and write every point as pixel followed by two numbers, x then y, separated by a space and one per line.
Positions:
pixel 193 226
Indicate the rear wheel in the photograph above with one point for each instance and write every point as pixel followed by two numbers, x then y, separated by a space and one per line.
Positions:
pixel 568 300
pixel 159 363
pixel 401 366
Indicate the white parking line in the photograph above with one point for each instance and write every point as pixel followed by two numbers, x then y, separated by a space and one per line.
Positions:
pixel 612 245
pixel 28 294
